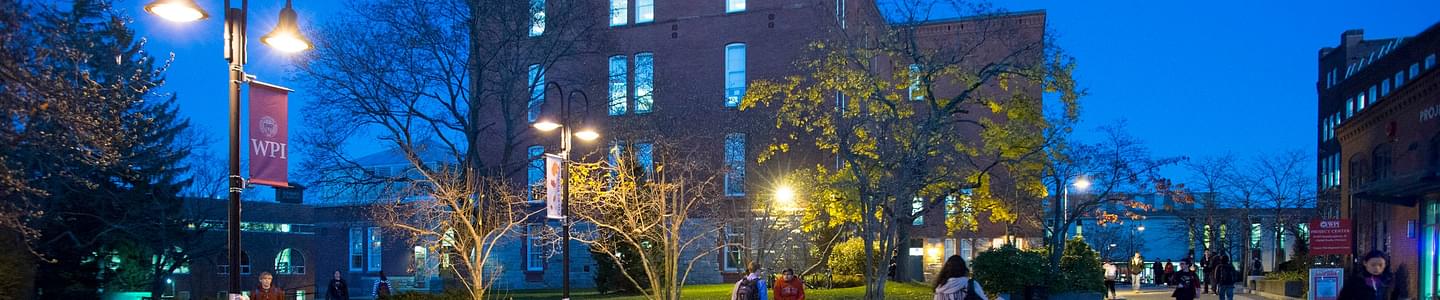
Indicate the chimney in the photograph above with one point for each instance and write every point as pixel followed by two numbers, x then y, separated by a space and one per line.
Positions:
pixel 295 194
pixel 1352 37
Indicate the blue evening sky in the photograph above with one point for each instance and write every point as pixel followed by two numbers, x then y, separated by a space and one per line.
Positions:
pixel 1196 78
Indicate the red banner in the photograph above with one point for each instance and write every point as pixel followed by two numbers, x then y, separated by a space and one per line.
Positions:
pixel 268 134
pixel 1330 236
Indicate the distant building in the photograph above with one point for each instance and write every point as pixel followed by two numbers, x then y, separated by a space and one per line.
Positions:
pixel 1379 148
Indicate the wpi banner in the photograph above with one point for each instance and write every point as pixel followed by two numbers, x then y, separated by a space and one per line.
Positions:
pixel 554 186
pixel 268 134
pixel 1330 236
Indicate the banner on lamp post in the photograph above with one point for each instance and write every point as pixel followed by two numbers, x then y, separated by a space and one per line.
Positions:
pixel 554 186
pixel 269 121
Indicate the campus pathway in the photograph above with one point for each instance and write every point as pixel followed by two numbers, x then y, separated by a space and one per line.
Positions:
pixel 1161 293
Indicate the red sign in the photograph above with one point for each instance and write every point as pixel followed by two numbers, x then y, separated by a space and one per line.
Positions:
pixel 1329 236
pixel 268 134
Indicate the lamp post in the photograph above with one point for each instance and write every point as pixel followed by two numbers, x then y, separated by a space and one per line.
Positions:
pixel 285 37
pixel 565 134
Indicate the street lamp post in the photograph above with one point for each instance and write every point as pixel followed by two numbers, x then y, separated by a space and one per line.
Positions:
pixel 286 37
pixel 565 145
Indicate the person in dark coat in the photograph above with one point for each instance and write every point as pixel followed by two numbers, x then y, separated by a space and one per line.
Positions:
pixel 1225 278
pixel 1169 273
pixel 338 289
pixel 1206 263
pixel 1186 282
pixel 1376 282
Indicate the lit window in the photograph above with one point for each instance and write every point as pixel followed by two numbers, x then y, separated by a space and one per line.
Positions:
pixel 1349 108
pixel 1360 102
pixel 734 73
pixel 1385 88
pixel 644 11
pixel 536 173
pixel 735 161
pixel 734 253
pixel 1414 70
pixel 537 92
pixel 1399 79
pixel 645 156
pixel 1430 62
pixel 537 15
pixel 289 261
pixel 1372 98
pixel 914 90
pixel 619 94
pixel 374 249
pixel 618 12
pixel 419 257
pixel 916 205
pixel 952 206
pixel 644 82
pixel 534 248
pixel 357 249
pixel 734 6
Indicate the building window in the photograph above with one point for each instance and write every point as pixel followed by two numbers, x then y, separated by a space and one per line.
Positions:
pixel 1381 162
pixel 619 12
pixel 224 265
pixel 534 248
pixel 840 12
pixel 1399 79
pixel 1349 108
pixel 734 72
pixel 1373 93
pixel 1360 102
pixel 734 252
pixel 536 81
pixel 536 173
pixel 645 156
pixel 1430 61
pixel 1434 156
pixel 357 249
pixel 619 93
pixel 419 258
pixel 735 162
pixel 1385 88
pixel 951 207
pixel 734 6
pixel 914 91
pixel 644 11
pixel 916 205
pixel 1357 170
pixel 537 17
pixel 289 261
pixel 644 82
pixel 374 249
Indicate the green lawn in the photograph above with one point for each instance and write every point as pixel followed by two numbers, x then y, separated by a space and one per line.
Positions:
pixel 893 290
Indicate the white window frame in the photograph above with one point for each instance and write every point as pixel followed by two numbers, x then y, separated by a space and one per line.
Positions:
pixel 1430 61
pixel 734 6
pixel 734 243
pixel 357 249
pixel 537 17
pixel 914 91
pixel 534 249
pixel 734 148
pixel 644 11
pixel 644 82
pixel 949 248
pixel 645 156
pixel 536 79
pixel 373 248
pixel 535 173
pixel 916 205
pixel 619 95
pixel 619 13
pixel 735 76
pixel 1399 79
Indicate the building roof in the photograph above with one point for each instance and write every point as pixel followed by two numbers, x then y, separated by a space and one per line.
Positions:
pixel 901 20
pixel 429 151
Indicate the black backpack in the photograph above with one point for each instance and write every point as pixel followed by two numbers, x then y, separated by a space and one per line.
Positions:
pixel 968 293
pixel 749 289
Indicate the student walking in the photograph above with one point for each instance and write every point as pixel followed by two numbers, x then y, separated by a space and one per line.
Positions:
pixel 1111 273
pixel 954 282
pixel 1137 267
pixel 267 289
pixel 1186 282
pixel 1375 282
pixel 338 289
pixel 1225 278
pixel 752 286
pixel 789 287
pixel 382 287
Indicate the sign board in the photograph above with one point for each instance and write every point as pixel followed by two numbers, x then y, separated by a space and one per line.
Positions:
pixel 1329 236
pixel 269 121
pixel 554 186
pixel 1325 283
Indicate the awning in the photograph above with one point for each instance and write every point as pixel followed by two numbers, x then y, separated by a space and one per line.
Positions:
pixel 1400 190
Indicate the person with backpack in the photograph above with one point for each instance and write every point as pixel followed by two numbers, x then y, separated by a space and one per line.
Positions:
pixel 789 287
pixel 1186 282
pixel 1225 278
pixel 954 282
pixel 382 287
pixel 1137 267
pixel 750 287
pixel 1111 273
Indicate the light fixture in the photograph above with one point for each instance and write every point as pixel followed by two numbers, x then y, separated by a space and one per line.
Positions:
pixel 286 35
pixel 1141 228
pixel 546 125
pixel 176 10
pixel 1082 183
pixel 785 198
pixel 587 135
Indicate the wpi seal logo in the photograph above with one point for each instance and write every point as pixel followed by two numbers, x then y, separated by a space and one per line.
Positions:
pixel 268 126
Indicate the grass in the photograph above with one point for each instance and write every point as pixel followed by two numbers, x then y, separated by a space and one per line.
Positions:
pixel 893 290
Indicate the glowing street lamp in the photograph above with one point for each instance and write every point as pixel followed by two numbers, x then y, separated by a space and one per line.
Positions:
pixel 785 198
pixel 179 11
pixel 286 35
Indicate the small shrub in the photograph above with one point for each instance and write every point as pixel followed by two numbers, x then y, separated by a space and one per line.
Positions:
pixel 848 257
pixel 1080 269
pixel 1010 270
pixel 848 281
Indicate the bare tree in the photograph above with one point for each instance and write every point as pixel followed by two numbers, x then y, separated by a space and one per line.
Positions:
pixel 1285 182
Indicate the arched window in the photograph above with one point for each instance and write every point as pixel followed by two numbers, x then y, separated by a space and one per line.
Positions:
pixel 1433 157
pixel 290 261
pixel 223 261
pixel 1380 162
pixel 1357 171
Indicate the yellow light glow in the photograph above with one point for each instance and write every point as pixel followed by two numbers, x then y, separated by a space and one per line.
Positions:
pixel 1082 183
pixel 785 198
pixel 287 43
pixel 587 135
pixel 546 125
pixel 934 251
pixel 179 11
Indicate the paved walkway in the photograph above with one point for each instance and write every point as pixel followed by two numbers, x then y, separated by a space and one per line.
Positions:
pixel 1162 293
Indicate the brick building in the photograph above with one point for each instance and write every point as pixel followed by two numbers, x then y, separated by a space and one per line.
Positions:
pixel 1380 148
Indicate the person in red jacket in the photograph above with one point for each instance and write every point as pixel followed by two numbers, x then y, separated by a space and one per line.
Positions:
pixel 267 290
pixel 789 287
